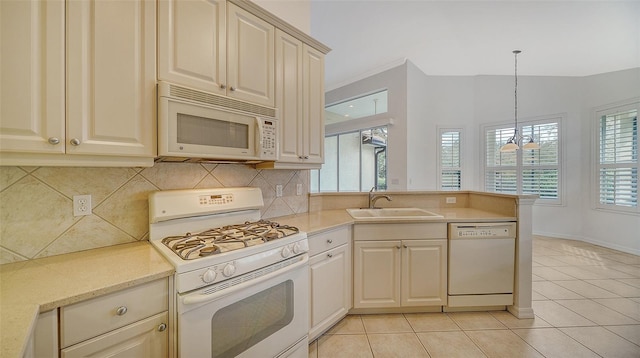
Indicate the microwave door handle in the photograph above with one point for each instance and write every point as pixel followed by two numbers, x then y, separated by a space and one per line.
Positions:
pixel 199 298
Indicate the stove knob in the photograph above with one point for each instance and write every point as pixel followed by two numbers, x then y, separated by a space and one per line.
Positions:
pixel 296 248
pixel 209 276
pixel 229 270
pixel 286 252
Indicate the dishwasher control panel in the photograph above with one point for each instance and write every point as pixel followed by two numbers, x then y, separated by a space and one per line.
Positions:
pixel 503 230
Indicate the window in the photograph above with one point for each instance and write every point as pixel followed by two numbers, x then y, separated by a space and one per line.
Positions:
pixel 353 161
pixel 450 166
pixel 530 171
pixel 617 162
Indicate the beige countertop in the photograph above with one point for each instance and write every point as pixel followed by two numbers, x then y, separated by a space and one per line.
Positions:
pixel 30 287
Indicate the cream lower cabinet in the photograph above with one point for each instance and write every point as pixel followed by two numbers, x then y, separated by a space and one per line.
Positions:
pixel 44 340
pixel 217 47
pixel 399 273
pixel 130 323
pixel 330 278
pixel 78 83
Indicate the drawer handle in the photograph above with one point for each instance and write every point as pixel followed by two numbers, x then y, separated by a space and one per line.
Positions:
pixel 162 327
pixel 121 311
pixel 329 255
pixel 329 241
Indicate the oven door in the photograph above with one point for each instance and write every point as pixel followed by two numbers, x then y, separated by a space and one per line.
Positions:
pixel 260 314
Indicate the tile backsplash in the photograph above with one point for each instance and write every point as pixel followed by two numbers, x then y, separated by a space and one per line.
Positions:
pixel 36 206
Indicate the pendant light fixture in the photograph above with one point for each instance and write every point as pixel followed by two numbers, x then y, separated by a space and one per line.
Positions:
pixel 515 142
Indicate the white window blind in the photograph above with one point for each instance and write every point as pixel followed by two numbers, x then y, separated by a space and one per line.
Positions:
pixel 530 171
pixel 450 159
pixel 618 159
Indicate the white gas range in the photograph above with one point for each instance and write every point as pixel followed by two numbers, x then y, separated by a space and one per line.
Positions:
pixel 241 283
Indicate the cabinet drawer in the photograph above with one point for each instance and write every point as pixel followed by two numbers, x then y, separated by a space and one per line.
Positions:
pixel 399 231
pixel 329 239
pixel 99 315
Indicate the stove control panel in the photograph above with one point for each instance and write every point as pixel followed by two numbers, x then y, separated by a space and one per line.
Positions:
pixel 217 199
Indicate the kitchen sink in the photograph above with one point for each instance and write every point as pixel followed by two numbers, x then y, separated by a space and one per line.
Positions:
pixel 391 214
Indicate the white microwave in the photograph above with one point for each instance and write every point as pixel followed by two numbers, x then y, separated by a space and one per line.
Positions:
pixel 196 126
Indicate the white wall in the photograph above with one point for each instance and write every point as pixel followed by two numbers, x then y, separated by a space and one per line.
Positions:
pixel 473 101
pixel 615 230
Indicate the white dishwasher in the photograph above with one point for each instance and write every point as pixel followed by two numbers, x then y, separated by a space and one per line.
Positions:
pixel 481 264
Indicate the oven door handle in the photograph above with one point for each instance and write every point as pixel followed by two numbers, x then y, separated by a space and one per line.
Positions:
pixel 199 298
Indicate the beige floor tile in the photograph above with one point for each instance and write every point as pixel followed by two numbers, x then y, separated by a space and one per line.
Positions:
pixel 511 321
pixel 608 272
pixel 624 258
pixel 603 342
pixel 558 315
pixel 351 324
pixel 554 291
pixel 630 269
pixel 344 345
pixel 399 345
pixel 630 333
pixel 549 273
pixel 549 261
pixel 617 287
pixel 585 289
pixel 536 296
pixel 385 323
pixel 581 273
pixel 313 349
pixel 502 344
pixel 596 312
pixel 449 345
pixel 425 322
pixel 475 320
pixel 625 306
pixel 635 282
pixel 535 278
pixel 551 342
pixel 578 260
pixel 545 251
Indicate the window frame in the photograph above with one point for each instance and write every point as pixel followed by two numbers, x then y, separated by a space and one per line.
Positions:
pixel 439 166
pixel 597 113
pixel 519 166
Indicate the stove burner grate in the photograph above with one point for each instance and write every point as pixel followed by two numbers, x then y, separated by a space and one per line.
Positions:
pixel 227 238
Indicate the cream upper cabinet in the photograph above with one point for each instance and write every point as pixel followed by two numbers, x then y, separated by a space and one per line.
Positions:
pixel 300 102
pixel 111 77
pixel 32 76
pixel 99 59
pixel 217 47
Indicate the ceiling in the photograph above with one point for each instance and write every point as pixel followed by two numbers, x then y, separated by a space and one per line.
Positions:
pixel 557 38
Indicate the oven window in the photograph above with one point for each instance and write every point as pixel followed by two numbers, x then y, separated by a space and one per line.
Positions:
pixel 212 132
pixel 239 326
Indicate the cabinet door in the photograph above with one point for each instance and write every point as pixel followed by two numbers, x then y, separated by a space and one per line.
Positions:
pixel 250 57
pixel 192 43
pixel 424 272
pixel 376 274
pixel 111 82
pixel 330 278
pixel 145 338
pixel 289 96
pixel 32 86
pixel 313 116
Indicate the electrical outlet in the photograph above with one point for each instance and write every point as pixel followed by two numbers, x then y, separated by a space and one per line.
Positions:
pixel 278 190
pixel 298 189
pixel 81 205
pixel 451 199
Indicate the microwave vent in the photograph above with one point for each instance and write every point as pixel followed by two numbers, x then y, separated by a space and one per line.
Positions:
pixel 212 99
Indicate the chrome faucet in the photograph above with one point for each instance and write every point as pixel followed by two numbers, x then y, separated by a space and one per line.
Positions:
pixel 373 198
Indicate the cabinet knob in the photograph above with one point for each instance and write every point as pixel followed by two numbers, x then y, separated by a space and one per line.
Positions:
pixel 232 89
pixel 75 141
pixel 329 241
pixel 121 311
pixel 162 327
pixel 398 247
pixel 306 157
pixel 222 86
pixel 329 255
pixel 405 246
pixel 54 140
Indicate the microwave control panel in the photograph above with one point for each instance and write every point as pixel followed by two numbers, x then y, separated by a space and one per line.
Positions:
pixel 268 144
